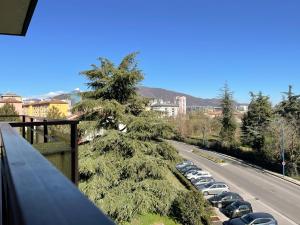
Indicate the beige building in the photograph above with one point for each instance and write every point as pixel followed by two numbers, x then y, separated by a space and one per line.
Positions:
pixel 12 99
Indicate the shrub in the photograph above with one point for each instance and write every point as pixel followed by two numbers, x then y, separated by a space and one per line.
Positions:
pixel 190 208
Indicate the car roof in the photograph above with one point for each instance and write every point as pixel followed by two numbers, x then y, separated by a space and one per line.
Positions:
pixel 218 182
pixel 230 193
pixel 241 202
pixel 257 215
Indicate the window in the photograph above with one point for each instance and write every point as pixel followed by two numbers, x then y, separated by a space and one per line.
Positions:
pixel 261 221
pixel 243 208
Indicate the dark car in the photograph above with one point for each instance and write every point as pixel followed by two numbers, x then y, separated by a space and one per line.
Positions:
pixel 224 199
pixel 188 168
pixel 254 218
pixel 237 209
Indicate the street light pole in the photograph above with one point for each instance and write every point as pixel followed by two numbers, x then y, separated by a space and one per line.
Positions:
pixel 282 149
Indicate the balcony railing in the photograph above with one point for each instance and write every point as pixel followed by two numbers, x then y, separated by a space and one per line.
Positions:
pixel 36 131
pixel 34 191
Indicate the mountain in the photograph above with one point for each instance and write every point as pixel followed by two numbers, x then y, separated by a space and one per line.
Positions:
pixel 73 96
pixel 157 93
pixel 167 95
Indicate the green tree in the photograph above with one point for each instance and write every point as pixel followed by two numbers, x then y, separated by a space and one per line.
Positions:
pixel 282 128
pixel 228 129
pixel 54 113
pixel 289 110
pixel 8 109
pixel 125 165
pixel 189 208
pixel 289 107
pixel 256 121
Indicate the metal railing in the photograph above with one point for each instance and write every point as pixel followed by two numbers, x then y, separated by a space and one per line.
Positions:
pixel 34 192
pixel 33 126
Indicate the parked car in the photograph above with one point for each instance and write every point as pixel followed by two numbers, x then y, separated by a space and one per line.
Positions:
pixel 257 218
pixel 196 173
pixel 224 199
pixel 214 188
pixel 191 171
pixel 187 168
pixel 202 180
pixel 237 209
pixel 184 163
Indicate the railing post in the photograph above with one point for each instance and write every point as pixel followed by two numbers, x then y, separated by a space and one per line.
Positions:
pixel 23 128
pixel 45 132
pixel 31 131
pixel 74 153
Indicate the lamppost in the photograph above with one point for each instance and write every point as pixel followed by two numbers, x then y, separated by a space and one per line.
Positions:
pixel 282 148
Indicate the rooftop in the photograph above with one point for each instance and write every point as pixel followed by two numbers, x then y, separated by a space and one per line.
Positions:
pixel 45 102
pixel 10 100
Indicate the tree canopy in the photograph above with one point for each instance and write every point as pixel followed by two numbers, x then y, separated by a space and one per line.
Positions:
pixel 8 109
pixel 126 167
pixel 255 121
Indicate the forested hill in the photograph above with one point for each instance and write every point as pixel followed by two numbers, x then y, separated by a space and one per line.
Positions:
pixel 167 95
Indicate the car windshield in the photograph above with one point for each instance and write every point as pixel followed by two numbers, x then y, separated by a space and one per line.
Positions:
pixel 208 185
pixel 247 218
pixel 222 195
pixel 235 204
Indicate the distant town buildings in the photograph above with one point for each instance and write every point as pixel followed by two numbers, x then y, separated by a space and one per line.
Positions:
pixel 13 99
pixel 179 107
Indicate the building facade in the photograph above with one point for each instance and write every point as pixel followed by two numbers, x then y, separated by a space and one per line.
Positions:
pixel 181 102
pixel 170 110
pixel 12 99
pixel 40 109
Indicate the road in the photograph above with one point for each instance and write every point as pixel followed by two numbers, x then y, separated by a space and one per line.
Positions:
pixel 265 192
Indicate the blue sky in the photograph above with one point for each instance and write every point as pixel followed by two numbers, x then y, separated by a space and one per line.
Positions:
pixel 191 46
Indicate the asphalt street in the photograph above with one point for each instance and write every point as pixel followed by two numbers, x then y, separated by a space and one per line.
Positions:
pixel 265 192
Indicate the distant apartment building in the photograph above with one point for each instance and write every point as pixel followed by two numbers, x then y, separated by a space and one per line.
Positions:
pixel 178 107
pixel 181 102
pixel 242 107
pixel 13 99
pixel 170 110
pixel 41 108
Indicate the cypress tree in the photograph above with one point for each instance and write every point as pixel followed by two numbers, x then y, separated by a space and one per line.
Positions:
pixel 228 129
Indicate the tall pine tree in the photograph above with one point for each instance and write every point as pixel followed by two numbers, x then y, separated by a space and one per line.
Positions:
pixel 228 129
pixel 125 168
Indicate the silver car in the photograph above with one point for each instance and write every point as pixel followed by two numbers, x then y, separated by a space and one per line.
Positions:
pixel 214 188
pixel 203 180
